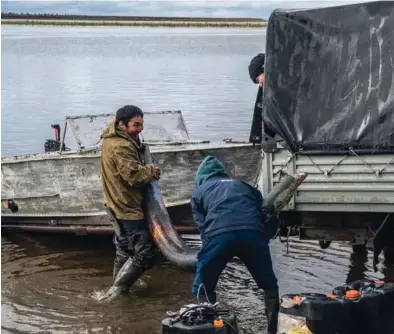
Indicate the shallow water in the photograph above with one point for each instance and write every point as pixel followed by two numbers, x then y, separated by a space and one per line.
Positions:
pixel 52 284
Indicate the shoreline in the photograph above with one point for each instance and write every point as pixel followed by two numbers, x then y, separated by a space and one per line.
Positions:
pixel 71 17
pixel 156 24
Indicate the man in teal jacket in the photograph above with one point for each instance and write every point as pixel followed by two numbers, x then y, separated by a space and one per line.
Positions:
pixel 231 223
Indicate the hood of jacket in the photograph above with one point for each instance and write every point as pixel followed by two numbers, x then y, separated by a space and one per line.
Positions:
pixel 210 167
pixel 112 131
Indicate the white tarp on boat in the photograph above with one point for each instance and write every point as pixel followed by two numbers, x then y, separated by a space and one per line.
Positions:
pixel 164 126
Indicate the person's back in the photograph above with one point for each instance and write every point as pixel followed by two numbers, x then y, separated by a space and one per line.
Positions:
pixel 229 217
pixel 230 204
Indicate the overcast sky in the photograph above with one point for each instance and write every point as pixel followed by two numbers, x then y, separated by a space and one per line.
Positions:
pixel 196 8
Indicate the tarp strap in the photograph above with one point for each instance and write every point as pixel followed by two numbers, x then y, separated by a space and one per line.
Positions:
pixel 328 172
pixel 287 162
pixel 377 172
pixel 363 161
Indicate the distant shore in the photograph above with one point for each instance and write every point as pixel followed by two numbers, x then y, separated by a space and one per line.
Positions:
pixel 135 24
pixel 129 21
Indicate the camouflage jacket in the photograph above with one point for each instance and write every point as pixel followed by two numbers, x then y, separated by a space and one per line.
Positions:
pixel 123 173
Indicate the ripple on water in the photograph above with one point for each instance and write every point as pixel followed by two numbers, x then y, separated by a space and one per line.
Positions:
pixel 55 286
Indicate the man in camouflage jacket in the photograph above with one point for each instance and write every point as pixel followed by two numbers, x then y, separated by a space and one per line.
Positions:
pixel 123 176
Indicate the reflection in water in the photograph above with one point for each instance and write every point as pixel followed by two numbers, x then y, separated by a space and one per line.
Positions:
pixel 357 265
pixel 52 284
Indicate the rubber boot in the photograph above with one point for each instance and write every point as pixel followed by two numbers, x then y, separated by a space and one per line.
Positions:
pixel 126 277
pixel 120 259
pixel 272 310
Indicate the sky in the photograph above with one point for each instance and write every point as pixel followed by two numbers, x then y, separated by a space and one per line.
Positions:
pixel 174 8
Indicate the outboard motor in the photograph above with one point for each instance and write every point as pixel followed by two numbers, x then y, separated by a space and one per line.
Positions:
pixel 52 145
pixel 203 318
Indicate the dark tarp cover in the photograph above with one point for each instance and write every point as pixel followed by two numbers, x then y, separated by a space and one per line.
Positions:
pixel 329 78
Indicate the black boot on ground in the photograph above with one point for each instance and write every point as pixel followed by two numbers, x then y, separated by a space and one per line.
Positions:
pixel 126 277
pixel 272 310
pixel 120 259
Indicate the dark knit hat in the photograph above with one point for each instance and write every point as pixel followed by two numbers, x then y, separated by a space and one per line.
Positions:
pixel 256 66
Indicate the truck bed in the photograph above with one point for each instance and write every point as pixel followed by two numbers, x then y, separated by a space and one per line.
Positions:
pixel 336 183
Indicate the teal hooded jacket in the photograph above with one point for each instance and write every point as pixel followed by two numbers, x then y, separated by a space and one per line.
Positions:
pixel 222 204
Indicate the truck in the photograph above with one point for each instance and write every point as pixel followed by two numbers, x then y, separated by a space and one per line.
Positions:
pixel 328 110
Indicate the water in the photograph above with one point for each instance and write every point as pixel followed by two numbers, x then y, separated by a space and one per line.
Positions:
pixel 51 284
pixel 51 72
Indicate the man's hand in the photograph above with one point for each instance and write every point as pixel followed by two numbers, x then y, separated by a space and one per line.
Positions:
pixel 260 79
pixel 156 172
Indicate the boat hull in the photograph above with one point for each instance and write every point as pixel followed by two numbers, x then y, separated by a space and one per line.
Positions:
pixel 65 187
pixel 97 224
